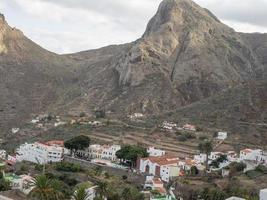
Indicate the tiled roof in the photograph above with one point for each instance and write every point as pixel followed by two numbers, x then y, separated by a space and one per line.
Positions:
pixel 246 150
pixel 157 181
pixel 163 160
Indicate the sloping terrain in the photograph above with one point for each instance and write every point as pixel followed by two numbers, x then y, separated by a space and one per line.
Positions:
pixel 31 78
pixel 185 58
pixel 185 55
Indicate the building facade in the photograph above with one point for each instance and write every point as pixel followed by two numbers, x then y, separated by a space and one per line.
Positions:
pixel 165 167
pixel 2 154
pixel 41 153
pixel 152 151
pixel 96 151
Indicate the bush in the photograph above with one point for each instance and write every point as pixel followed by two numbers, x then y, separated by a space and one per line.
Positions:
pixel 261 168
pixel 253 174
pixel 182 138
pixel 68 167
pixel 82 114
pixel 100 114
pixel 203 137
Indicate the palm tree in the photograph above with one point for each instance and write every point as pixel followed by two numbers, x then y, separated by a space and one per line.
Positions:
pixel 81 194
pixel 102 190
pixel 45 189
pixel 206 147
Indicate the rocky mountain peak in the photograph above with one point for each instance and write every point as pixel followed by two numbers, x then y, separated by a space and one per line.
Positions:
pixel 2 17
pixel 10 37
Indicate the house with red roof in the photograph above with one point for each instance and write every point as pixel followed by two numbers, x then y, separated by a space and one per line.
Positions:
pixel 166 167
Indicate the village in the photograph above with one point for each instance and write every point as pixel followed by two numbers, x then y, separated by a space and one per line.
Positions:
pixel 158 171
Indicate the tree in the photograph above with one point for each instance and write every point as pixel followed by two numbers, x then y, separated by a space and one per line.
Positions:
pixel 77 143
pixel 45 189
pixel 102 190
pixel 212 194
pixel 82 114
pixel 100 114
pixel 81 194
pixel 4 184
pixel 206 147
pixel 194 170
pixel 131 193
pixel 131 153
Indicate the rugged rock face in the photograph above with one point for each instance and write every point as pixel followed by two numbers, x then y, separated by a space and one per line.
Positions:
pixel 185 55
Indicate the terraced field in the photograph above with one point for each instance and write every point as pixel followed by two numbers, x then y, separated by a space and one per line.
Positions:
pixel 168 144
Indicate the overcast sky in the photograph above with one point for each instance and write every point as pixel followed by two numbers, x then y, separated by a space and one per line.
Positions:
pixel 65 26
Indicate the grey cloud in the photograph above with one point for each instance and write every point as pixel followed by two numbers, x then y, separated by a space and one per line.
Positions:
pixel 245 11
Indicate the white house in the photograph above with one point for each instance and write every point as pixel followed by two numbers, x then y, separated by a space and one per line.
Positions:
pixel 22 183
pixel 40 152
pixel 152 151
pixel 15 130
pixel 256 155
pixel 263 194
pixel 11 159
pixel 222 135
pixel 136 116
pixel 168 125
pixel 165 167
pixel 200 158
pixel 3 154
pixel 106 152
pixel 155 184
pixel 232 156
pixel 235 198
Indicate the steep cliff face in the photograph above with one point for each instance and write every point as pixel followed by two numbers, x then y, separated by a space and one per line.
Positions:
pixel 190 52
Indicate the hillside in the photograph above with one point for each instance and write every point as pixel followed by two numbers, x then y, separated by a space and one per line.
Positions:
pixel 185 59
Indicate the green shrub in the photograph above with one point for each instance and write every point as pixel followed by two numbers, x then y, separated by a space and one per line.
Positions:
pixel 182 138
pixel 68 167
pixel 82 114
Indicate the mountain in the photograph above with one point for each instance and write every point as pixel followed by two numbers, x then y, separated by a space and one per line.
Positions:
pixel 31 78
pixel 185 56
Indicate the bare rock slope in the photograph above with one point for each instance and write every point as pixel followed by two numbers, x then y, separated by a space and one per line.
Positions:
pixel 185 55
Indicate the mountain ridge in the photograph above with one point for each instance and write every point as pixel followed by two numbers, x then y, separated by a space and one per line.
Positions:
pixel 184 56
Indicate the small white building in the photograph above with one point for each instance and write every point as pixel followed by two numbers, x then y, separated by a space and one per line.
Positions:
pixel 165 167
pixel 256 155
pixel 263 194
pixel 235 198
pixel 15 130
pixel 200 158
pixel 222 135
pixel 152 151
pixel 11 159
pixel 169 126
pixel 106 152
pixel 23 182
pixel 3 154
pixel 153 183
pixel 40 152
pixel 136 116
pixel 215 155
pixel 232 156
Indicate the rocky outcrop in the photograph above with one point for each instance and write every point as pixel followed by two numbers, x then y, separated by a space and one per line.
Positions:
pixel 184 56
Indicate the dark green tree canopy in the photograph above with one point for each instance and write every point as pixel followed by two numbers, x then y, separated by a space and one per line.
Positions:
pixel 78 143
pixel 131 153
pixel 205 146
